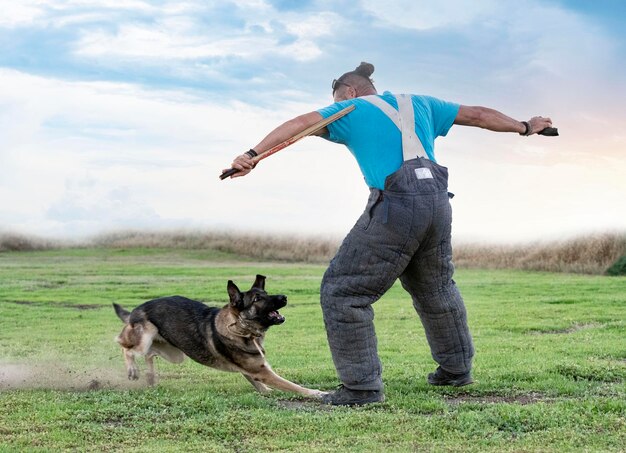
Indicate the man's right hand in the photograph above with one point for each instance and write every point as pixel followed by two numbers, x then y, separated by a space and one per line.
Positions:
pixel 243 164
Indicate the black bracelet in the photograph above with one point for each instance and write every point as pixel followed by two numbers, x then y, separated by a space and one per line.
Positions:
pixel 251 153
pixel 527 130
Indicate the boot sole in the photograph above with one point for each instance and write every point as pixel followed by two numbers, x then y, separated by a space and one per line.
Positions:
pixel 452 382
pixel 355 402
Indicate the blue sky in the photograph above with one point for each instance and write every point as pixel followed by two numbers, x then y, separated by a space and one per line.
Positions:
pixel 120 114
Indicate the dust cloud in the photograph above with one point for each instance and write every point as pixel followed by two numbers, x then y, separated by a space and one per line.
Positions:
pixel 57 376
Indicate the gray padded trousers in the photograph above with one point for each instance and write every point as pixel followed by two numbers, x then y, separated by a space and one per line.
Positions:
pixel 403 233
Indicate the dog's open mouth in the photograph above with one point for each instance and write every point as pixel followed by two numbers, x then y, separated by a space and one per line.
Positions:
pixel 275 317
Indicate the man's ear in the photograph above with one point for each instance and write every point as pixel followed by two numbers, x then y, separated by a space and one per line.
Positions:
pixel 236 298
pixel 259 282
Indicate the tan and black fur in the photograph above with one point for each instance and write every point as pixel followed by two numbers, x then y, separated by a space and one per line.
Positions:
pixel 229 339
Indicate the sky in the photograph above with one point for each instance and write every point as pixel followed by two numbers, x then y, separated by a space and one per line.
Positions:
pixel 120 115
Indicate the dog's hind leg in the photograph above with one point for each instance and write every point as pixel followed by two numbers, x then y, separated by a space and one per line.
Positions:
pixel 258 385
pixel 163 349
pixel 128 339
pixel 144 348
pixel 170 353
pixel 150 365
pixel 136 340
pixel 131 366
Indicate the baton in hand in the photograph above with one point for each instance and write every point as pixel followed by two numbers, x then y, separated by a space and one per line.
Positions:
pixel 549 132
pixel 290 141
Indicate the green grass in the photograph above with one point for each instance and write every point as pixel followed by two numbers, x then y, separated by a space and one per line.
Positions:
pixel 550 363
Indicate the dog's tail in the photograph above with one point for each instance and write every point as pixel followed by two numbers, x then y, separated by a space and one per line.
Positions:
pixel 121 313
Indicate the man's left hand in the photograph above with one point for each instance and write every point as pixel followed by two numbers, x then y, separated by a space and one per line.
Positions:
pixel 539 123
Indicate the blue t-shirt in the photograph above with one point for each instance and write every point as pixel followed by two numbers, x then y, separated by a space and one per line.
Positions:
pixel 376 142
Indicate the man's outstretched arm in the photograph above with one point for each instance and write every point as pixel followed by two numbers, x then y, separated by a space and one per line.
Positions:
pixel 244 162
pixel 493 120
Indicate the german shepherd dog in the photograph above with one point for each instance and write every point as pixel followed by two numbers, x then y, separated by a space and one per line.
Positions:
pixel 229 339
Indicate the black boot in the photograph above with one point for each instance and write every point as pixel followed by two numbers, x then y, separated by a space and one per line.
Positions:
pixel 344 396
pixel 442 377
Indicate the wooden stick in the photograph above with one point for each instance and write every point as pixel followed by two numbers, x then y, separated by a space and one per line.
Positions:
pixel 290 141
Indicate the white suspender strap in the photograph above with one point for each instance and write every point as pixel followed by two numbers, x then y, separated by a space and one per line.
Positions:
pixel 411 145
pixel 386 108
pixel 404 119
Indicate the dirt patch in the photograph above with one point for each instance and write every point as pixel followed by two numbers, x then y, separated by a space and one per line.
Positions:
pixel 56 304
pixel 303 405
pixel 523 399
pixel 572 329
pixel 13 375
pixel 83 306
pixel 55 376
pixel 94 384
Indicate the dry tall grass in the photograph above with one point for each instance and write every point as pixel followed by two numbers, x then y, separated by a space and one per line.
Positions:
pixel 254 245
pixel 592 254
pixel 13 242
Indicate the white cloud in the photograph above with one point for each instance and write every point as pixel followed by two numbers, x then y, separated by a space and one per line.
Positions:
pixel 91 205
pixel 179 36
pixel 15 14
pixel 79 156
pixel 133 41
pixel 302 50
pixel 313 25
pixel 64 12
pixel 505 201
pixel 426 15
pixel 70 150
pixel 124 5
pixel 545 39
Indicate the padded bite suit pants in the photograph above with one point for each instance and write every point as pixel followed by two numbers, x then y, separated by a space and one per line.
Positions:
pixel 403 233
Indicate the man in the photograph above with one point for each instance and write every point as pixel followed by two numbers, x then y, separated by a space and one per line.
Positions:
pixel 403 233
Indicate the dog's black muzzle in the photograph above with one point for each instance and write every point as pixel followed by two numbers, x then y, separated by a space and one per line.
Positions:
pixel 273 316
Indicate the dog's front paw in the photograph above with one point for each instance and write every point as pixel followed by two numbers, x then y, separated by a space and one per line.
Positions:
pixel 318 394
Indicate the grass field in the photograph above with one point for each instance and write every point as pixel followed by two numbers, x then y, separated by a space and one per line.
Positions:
pixel 550 363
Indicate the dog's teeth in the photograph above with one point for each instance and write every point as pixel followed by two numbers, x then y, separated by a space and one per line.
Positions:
pixel 275 315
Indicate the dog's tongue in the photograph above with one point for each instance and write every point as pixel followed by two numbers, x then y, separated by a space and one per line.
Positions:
pixel 276 317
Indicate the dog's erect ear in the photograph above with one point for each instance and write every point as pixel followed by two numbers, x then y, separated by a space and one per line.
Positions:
pixel 236 298
pixel 259 282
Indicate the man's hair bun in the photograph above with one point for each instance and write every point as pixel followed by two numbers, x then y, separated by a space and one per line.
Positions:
pixel 364 69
